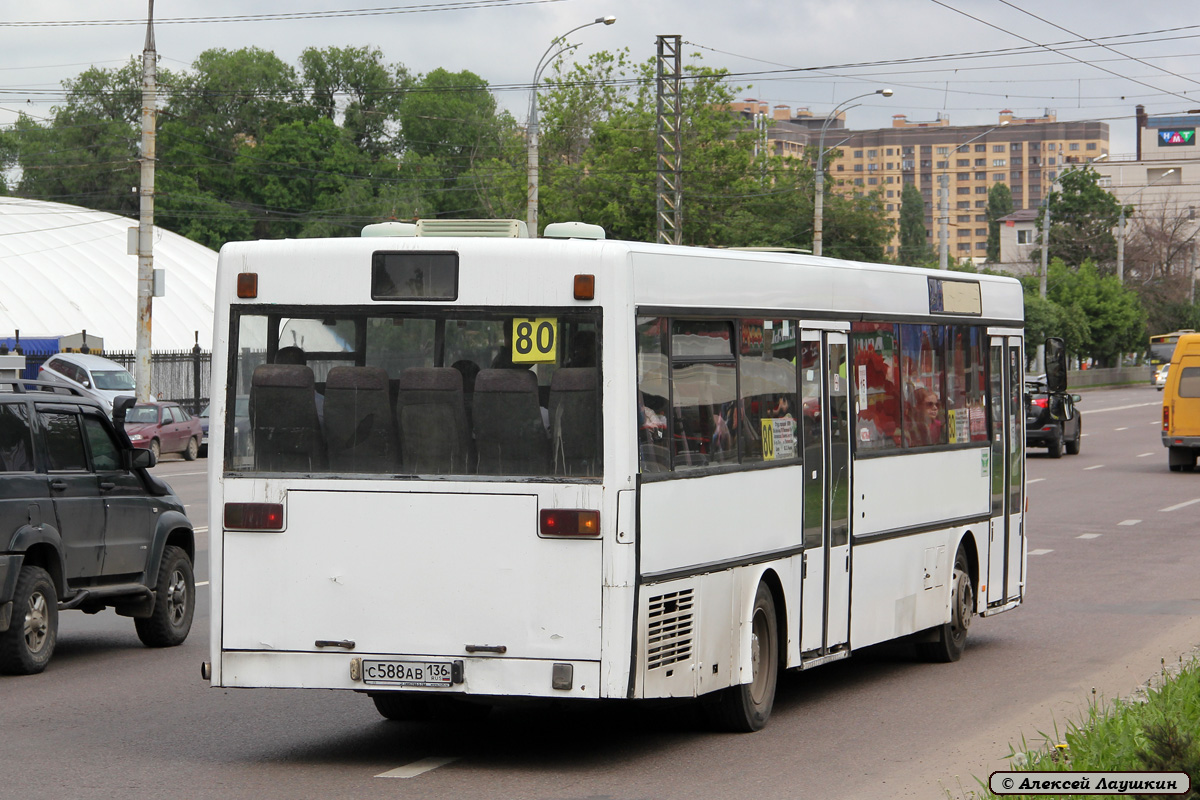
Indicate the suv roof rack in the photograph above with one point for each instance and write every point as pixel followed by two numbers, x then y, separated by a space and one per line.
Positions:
pixel 22 385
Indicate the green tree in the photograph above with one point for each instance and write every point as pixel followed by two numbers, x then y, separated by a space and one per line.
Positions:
pixel 372 89
pixel 87 152
pixel 914 244
pixel 450 127
pixel 1082 218
pixel 1000 204
pixel 1098 314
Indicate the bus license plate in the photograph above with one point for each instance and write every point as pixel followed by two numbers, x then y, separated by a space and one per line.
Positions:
pixel 407 673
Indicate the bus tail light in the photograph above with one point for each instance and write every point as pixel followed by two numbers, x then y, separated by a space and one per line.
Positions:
pixel 254 516
pixel 569 522
pixel 1166 418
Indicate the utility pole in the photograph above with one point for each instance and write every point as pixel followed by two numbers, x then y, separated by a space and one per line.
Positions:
pixel 944 218
pixel 669 182
pixel 145 239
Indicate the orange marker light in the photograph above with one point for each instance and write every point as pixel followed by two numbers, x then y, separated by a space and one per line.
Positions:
pixel 247 285
pixel 585 287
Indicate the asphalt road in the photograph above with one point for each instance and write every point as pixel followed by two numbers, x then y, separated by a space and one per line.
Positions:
pixel 1113 592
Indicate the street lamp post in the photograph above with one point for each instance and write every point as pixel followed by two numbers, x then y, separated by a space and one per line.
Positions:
pixel 944 200
pixel 819 199
pixel 1121 226
pixel 531 214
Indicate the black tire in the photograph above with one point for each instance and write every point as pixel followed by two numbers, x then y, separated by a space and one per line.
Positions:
pixel 952 637
pixel 1181 459
pixel 746 708
pixel 1073 445
pixel 26 647
pixel 1055 448
pixel 193 449
pixel 174 603
pixel 401 707
pixel 156 450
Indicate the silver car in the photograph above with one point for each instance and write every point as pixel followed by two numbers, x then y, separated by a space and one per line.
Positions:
pixel 97 377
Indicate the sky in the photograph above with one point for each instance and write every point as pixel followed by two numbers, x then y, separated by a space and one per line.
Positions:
pixel 967 59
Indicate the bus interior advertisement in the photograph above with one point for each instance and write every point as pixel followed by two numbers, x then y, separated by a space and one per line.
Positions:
pixel 434 392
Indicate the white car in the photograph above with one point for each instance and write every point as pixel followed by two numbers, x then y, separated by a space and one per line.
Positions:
pixel 98 377
pixel 1160 376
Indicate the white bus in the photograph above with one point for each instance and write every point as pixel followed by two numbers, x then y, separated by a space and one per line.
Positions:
pixel 478 468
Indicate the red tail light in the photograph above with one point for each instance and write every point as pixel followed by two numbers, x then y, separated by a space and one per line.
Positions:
pixel 569 522
pixel 1041 402
pixel 1166 418
pixel 254 516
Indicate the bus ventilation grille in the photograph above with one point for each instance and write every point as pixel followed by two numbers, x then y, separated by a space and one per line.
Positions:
pixel 670 633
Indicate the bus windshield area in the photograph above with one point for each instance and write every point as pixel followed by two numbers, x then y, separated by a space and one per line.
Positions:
pixel 430 392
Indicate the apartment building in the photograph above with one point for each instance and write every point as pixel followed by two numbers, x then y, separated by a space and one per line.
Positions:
pixel 1024 153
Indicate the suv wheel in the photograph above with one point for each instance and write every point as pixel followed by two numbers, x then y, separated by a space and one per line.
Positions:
pixel 26 647
pixel 1056 446
pixel 175 602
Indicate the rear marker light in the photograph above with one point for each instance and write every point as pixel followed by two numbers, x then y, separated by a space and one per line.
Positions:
pixel 585 287
pixel 569 522
pixel 247 285
pixel 254 516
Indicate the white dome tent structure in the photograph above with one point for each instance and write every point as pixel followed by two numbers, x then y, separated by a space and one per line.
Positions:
pixel 66 269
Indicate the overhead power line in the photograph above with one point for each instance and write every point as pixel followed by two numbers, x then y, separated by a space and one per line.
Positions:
pixel 453 5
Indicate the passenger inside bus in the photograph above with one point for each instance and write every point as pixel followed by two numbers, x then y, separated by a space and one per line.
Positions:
pixel 924 415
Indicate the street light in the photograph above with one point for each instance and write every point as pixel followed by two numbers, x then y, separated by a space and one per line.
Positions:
pixel 1121 227
pixel 819 200
pixel 531 215
pixel 944 200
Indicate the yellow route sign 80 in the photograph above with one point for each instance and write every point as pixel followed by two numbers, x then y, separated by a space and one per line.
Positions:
pixel 534 341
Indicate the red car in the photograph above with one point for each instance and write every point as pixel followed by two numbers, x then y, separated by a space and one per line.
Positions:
pixel 164 428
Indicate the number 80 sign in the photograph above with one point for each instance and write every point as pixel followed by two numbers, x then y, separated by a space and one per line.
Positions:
pixel 535 341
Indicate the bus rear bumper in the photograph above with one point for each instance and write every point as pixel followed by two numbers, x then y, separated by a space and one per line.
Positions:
pixel 521 677
pixel 1180 441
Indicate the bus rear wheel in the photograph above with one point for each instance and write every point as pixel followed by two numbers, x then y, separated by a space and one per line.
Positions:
pixel 951 638
pixel 746 708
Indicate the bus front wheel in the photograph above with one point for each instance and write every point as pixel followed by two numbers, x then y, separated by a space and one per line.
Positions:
pixel 746 707
pixel 951 638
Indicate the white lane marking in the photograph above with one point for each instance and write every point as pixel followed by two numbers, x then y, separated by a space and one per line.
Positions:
pixel 1130 522
pixel 1121 408
pixel 202 583
pixel 1039 552
pixel 1178 506
pixel 1094 466
pixel 1143 455
pixel 182 474
pixel 1156 422
pixel 416 768
pixel 1035 480
pixel 1120 429
pixel 1089 536
pixel 201 529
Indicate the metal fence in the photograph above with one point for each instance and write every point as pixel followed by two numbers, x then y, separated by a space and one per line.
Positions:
pixel 180 376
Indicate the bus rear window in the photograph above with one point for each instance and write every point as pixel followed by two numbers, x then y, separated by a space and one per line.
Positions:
pixel 414 276
pixel 440 393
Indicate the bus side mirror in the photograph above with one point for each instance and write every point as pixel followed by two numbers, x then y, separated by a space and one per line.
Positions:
pixel 1056 365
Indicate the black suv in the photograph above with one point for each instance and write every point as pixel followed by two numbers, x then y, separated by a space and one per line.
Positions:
pixel 83 525
pixel 1051 419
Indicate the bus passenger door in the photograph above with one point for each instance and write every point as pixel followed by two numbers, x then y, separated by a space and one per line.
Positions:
pixel 1006 400
pixel 825 612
